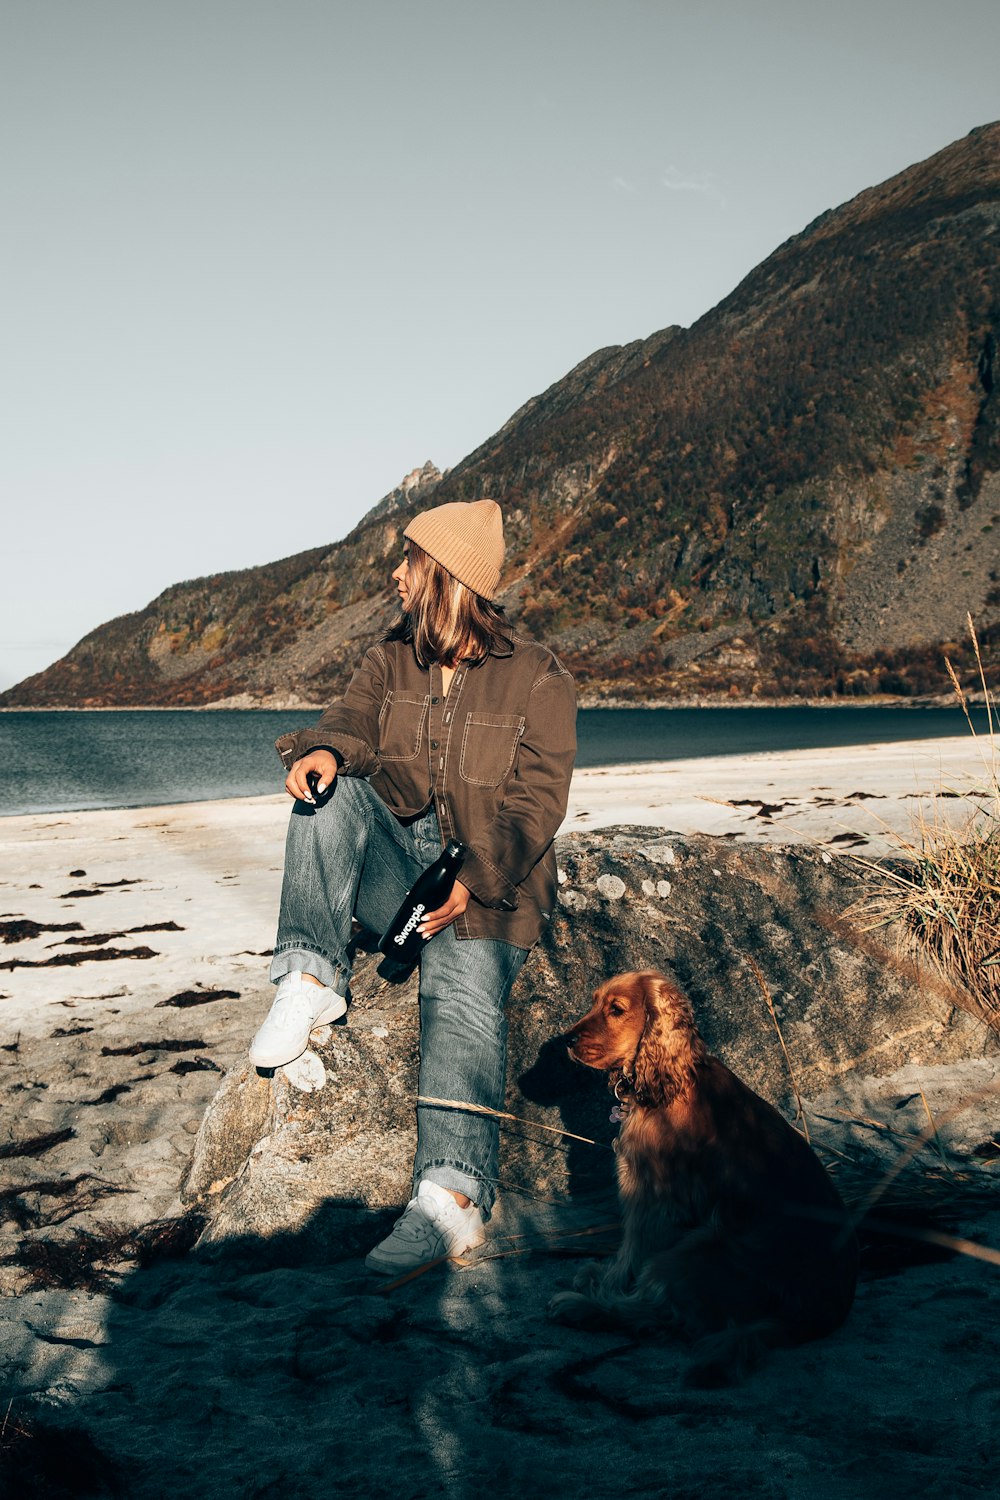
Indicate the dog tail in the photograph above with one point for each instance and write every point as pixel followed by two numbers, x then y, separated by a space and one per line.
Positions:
pixel 722 1358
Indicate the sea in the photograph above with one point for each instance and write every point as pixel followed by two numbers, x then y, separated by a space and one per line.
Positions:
pixel 63 761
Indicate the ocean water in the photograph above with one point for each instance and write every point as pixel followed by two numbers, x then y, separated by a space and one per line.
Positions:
pixel 64 761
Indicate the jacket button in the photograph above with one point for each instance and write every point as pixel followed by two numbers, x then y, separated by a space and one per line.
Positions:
pixel 434 744
pixel 434 700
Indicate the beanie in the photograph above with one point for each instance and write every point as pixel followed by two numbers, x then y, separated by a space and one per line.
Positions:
pixel 466 538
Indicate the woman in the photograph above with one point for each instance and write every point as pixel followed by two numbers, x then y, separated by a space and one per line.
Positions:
pixel 453 727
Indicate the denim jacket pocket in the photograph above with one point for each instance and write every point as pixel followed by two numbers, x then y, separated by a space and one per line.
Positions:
pixel 489 747
pixel 401 723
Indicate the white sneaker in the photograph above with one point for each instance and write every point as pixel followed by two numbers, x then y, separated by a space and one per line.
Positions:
pixel 432 1226
pixel 298 1007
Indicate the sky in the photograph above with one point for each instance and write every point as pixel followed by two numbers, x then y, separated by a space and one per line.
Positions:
pixel 261 258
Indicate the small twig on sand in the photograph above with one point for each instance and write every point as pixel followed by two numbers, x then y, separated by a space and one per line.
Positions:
pixel 934 1129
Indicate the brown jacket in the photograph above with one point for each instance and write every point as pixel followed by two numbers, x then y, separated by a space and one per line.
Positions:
pixel 494 758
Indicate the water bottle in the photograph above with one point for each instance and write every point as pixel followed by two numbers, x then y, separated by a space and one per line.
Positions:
pixel 401 942
pixel 320 798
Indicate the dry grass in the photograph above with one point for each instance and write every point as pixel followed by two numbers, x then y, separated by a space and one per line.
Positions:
pixel 907 1217
pixel 946 898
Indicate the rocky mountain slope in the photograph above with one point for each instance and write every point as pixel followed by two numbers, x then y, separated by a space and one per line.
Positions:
pixel 800 494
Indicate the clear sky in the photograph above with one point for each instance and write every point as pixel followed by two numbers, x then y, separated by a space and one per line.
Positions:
pixel 262 257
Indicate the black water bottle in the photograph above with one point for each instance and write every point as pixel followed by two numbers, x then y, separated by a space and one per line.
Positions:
pixel 320 798
pixel 401 942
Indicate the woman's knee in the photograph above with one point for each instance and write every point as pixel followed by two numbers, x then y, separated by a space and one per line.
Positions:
pixel 351 801
pixel 351 793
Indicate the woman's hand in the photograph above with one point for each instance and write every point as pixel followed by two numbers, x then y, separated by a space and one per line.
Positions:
pixel 317 760
pixel 456 903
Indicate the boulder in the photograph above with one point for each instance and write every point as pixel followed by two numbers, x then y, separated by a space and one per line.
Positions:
pixel 743 929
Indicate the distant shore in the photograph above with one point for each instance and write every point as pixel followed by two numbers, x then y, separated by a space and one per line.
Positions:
pixel 584 700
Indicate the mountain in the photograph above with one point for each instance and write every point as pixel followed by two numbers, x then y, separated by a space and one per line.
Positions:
pixel 798 495
pixel 410 494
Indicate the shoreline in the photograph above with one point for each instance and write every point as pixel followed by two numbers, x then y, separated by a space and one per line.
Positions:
pixel 634 780
pixel 585 700
pixel 637 779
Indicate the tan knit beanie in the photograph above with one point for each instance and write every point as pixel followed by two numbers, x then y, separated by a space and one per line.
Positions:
pixel 466 537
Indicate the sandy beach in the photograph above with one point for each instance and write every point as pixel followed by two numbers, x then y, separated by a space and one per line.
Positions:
pixel 214 868
pixel 133 973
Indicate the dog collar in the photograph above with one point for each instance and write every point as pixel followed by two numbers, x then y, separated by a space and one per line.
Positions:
pixel 623 1088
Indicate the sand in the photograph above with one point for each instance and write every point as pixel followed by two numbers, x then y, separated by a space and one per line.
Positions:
pixel 211 1376
pixel 214 868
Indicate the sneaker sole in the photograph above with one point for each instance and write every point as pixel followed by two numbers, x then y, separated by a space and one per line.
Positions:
pixel 332 1012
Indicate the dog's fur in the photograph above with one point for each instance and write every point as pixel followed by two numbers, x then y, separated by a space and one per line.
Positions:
pixel 734 1235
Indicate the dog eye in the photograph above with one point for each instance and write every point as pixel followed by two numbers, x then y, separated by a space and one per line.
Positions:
pixel 616 1008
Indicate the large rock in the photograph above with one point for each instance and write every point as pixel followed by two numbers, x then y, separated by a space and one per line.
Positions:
pixel 271 1159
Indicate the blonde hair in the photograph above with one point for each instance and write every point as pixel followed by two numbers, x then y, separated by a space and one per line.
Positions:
pixel 444 620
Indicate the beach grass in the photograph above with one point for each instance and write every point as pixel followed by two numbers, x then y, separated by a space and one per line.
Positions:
pixel 945 895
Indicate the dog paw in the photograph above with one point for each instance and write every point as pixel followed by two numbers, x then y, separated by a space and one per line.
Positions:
pixel 588 1278
pixel 573 1309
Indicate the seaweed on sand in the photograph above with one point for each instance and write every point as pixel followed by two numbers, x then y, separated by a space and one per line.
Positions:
pixel 89 1260
pixel 22 929
pixel 73 1194
pixel 188 998
pixel 96 939
pixel 65 960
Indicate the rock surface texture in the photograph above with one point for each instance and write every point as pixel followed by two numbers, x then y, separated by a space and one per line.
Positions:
pixel 319 1165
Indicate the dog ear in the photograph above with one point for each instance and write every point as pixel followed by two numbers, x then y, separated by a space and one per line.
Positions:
pixel 670 1047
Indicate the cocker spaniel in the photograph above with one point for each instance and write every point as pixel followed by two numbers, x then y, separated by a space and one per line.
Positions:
pixel 734 1235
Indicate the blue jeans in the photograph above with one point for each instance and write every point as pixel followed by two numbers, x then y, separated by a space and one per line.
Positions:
pixel 353 858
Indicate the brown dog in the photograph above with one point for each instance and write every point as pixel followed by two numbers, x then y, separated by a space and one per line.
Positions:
pixel 734 1235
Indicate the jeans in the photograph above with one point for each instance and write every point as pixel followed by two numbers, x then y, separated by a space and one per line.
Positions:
pixel 353 858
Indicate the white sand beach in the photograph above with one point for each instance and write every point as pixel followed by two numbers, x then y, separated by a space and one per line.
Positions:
pixel 135 972
pixel 214 868
pixel 868 797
